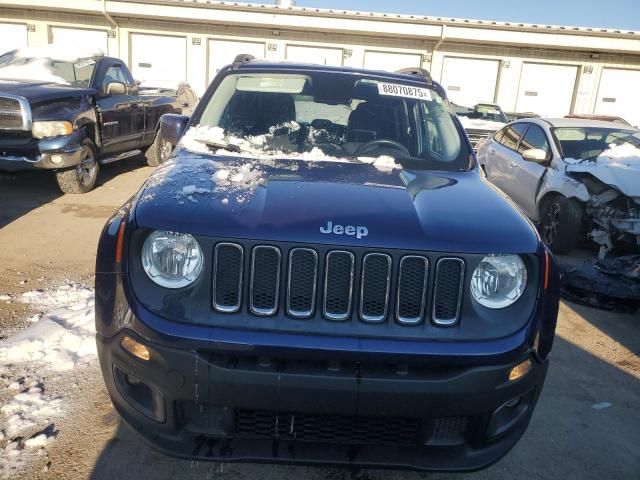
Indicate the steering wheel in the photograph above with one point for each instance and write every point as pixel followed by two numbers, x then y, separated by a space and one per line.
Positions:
pixel 382 143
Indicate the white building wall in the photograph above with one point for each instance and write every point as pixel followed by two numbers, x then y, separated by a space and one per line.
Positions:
pixel 590 51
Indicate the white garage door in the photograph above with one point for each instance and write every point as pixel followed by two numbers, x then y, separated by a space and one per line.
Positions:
pixel 390 62
pixel 158 57
pixel 321 56
pixel 223 52
pixel 546 89
pixel 13 36
pixel 88 39
pixel 619 94
pixel 468 81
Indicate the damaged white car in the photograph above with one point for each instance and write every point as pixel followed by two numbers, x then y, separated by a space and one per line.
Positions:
pixel 572 177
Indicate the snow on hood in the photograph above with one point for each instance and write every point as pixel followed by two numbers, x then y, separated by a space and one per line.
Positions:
pixel 39 65
pixel 478 124
pixel 618 167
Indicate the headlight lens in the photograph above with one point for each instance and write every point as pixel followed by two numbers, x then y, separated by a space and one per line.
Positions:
pixel 499 280
pixel 172 260
pixel 51 129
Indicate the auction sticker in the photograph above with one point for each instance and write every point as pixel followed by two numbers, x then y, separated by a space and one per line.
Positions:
pixel 397 90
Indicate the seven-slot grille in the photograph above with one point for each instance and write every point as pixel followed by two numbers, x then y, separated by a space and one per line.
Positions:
pixel 11 114
pixel 332 282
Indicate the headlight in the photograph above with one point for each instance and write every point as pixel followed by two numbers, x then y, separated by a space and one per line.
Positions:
pixel 172 260
pixel 499 280
pixel 51 129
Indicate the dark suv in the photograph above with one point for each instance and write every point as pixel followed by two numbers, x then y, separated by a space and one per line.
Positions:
pixel 321 275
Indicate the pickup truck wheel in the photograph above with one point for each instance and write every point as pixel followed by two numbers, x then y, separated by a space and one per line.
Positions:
pixel 81 178
pixel 561 223
pixel 158 152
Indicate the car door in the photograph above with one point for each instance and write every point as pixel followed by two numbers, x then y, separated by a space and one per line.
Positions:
pixel 122 115
pixel 502 158
pixel 529 173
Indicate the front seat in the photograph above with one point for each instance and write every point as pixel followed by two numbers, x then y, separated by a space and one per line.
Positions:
pixel 374 120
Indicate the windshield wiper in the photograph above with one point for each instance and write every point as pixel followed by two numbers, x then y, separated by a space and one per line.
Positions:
pixel 223 146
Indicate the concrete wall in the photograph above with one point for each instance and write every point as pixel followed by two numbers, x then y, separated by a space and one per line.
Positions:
pixel 590 50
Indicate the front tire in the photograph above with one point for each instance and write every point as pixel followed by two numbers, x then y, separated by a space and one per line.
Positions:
pixel 81 178
pixel 561 223
pixel 159 151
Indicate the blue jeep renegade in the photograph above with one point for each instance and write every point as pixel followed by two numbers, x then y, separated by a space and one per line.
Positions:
pixel 320 274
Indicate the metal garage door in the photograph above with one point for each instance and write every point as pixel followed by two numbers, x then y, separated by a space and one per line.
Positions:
pixel 158 57
pixel 470 80
pixel 88 39
pixel 13 36
pixel 619 94
pixel 222 53
pixel 546 89
pixel 321 56
pixel 391 62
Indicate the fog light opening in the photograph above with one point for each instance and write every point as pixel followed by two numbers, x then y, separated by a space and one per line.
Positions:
pixel 520 370
pixel 56 159
pixel 135 348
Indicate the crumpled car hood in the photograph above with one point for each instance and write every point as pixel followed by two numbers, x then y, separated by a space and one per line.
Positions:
pixel 623 174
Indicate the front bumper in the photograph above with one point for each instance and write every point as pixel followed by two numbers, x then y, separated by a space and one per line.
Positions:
pixel 48 154
pixel 223 404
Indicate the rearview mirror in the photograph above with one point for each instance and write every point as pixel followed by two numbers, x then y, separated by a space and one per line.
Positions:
pixel 172 127
pixel 537 155
pixel 115 88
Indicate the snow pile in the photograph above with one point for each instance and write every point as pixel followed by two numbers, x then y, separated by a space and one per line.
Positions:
pixel 623 153
pixel 36 63
pixel 63 337
pixel 257 147
pixel 60 338
pixel 382 164
pixel 29 409
pixel 478 124
pixel 238 181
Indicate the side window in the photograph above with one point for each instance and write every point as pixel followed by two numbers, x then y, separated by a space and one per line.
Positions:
pixel 512 135
pixel 534 138
pixel 498 135
pixel 114 74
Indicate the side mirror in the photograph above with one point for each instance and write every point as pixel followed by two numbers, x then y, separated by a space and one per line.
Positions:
pixel 115 88
pixel 536 155
pixel 172 127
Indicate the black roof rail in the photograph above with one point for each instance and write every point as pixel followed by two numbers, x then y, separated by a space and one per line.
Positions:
pixel 421 72
pixel 240 59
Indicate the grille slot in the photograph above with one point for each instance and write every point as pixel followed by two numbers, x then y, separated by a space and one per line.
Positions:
pixel 11 114
pixel 227 277
pixel 374 290
pixel 448 291
pixel 412 289
pixel 301 290
pixel 338 285
pixel 327 428
pixel 265 280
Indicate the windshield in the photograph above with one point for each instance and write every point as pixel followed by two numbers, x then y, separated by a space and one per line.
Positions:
pixel 19 65
pixel 488 112
pixel 589 143
pixel 328 116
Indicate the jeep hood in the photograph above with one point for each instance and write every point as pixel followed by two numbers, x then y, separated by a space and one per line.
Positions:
pixel 38 91
pixel 618 167
pixel 291 200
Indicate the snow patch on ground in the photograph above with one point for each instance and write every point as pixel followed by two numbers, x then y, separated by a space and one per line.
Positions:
pixel 60 338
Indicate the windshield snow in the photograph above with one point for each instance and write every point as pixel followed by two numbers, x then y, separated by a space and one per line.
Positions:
pixel 320 116
pixel 49 64
pixel 579 144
